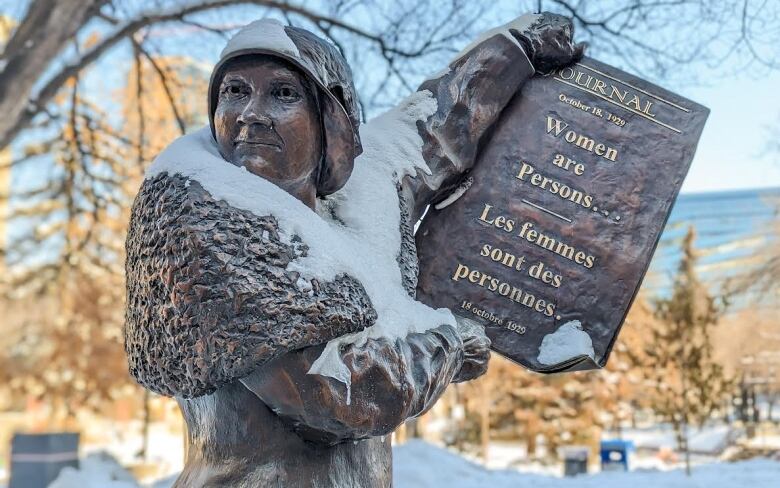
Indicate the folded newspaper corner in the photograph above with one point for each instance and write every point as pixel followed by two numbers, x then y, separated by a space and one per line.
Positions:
pixel 550 243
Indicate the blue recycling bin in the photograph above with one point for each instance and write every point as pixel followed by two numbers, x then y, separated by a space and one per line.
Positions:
pixel 615 454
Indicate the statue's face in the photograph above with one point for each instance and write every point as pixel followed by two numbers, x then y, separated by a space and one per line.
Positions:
pixel 267 120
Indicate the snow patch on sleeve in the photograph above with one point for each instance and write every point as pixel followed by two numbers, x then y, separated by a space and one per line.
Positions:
pixel 569 341
pixel 262 34
pixel 391 140
pixel 456 193
pixel 519 24
pixel 362 240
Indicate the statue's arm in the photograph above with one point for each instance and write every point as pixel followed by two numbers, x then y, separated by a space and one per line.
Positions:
pixel 470 97
pixel 474 91
pixel 391 381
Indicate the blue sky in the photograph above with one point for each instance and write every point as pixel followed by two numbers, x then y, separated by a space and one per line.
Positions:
pixel 733 151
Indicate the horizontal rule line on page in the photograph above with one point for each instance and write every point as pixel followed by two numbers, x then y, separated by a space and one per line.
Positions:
pixel 547 210
pixel 617 104
pixel 634 87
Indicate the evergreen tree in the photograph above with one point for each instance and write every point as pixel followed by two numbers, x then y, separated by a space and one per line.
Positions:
pixel 689 384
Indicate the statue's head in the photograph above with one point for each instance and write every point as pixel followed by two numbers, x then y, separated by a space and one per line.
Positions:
pixel 282 104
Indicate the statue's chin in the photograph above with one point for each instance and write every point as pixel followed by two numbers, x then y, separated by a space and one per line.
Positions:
pixel 259 166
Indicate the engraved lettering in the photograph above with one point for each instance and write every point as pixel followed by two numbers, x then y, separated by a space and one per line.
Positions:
pixel 553 245
pixel 553 186
pixel 555 127
pixel 504 289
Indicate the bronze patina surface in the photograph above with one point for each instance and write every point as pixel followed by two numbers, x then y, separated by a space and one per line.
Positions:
pixel 217 317
pixel 564 211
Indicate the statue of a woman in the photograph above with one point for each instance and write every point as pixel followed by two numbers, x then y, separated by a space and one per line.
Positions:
pixel 274 302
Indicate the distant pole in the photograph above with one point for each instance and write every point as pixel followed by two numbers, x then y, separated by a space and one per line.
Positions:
pixel 147 418
pixel 485 424
pixel 685 422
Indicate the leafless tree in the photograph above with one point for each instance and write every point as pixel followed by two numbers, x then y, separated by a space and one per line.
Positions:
pixel 401 40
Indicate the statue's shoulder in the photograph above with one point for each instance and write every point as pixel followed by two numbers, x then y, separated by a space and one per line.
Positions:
pixel 166 197
pixel 174 215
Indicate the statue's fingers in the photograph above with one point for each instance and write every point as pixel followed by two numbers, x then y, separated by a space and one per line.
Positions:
pixel 579 50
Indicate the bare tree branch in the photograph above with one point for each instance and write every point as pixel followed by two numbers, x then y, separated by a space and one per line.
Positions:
pixel 19 118
pixel 165 83
pixel 746 30
pixel 48 26
pixel 139 103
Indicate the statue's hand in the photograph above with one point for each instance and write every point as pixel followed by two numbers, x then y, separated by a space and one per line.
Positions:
pixel 548 41
pixel 476 346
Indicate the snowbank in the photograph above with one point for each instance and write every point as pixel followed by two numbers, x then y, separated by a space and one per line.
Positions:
pixel 99 470
pixel 708 440
pixel 421 465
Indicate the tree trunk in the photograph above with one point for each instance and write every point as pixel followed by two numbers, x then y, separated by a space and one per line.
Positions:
pixel 144 454
pixel 531 445
pixel 46 29
pixel 485 420
pixel 754 403
pixel 685 421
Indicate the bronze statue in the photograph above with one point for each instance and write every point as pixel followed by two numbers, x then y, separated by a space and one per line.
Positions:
pixel 220 317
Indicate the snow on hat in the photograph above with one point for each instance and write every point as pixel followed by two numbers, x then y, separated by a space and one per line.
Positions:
pixel 327 68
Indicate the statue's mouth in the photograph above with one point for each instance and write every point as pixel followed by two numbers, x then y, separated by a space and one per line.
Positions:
pixel 259 143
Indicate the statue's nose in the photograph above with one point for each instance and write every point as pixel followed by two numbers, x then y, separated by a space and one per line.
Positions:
pixel 253 113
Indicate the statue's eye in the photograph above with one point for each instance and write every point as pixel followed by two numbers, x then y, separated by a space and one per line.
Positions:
pixel 287 93
pixel 234 89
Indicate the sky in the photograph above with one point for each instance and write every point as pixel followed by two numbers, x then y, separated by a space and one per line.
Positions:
pixel 733 152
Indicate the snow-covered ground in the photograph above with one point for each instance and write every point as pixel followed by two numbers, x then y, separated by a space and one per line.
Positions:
pixel 418 464
pixel 97 470
pixel 708 440
pixel 761 441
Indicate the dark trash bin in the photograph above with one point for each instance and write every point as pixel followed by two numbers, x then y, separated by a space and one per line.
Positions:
pixel 615 454
pixel 36 459
pixel 575 460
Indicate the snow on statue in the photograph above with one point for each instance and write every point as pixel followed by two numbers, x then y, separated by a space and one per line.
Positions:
pixel 271 264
